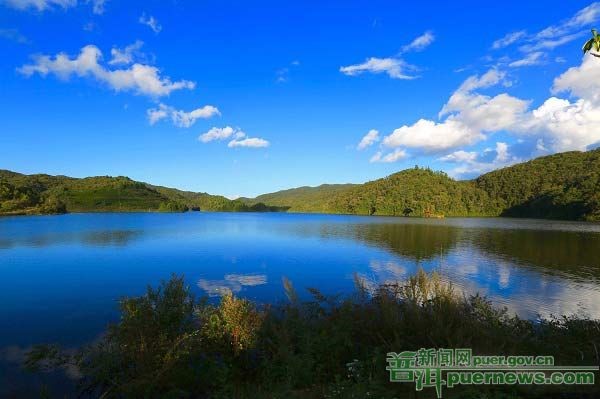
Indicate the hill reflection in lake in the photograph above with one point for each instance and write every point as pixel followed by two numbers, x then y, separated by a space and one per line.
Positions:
pixel 58 271
pixel 60 276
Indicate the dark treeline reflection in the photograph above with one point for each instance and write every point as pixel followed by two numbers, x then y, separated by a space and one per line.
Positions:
pixel 118 238
pixel 416 241
pixel 562 251
pixel 552 251
pixel 102 238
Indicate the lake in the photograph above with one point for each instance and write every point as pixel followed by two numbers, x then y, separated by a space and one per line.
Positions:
pixel 61 276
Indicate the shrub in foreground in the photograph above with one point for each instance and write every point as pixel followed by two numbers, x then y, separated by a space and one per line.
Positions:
pixel 168 344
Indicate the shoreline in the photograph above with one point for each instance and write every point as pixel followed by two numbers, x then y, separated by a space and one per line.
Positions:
pixel 25 213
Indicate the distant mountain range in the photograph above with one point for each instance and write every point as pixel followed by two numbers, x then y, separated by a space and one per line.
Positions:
pixel 561 186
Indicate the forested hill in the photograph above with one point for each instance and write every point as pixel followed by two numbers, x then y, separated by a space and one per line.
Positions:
pixel 561 186
pixel 302 199
pixel 41 194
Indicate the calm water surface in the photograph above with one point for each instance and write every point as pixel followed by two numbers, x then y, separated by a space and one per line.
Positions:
pixel 60 276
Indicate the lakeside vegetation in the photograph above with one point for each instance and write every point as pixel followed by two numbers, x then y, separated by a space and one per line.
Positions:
pixel 560 186
pixel 169 344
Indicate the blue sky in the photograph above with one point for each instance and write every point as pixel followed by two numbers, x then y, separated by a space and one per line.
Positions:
pixel 239 98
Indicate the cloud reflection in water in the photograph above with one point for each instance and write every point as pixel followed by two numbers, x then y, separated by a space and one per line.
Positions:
pixel 231 284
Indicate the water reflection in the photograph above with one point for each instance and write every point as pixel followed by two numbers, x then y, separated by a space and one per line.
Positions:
pixel 573 253
pixel 528 265
pixel 61 276
pixel 119 238
pixel 231 284
pixel 418 241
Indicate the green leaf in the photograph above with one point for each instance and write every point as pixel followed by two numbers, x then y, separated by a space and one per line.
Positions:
pixel 588 46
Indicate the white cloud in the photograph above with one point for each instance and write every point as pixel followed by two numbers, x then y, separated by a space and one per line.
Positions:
pixel 501 152
pixel 394 67
pixel 252 142
pixel 569 125
pixel 89 26
pixel 393 156
pixel 549 44
pixel 157 114
pixel 139 78
pixel 561 124
pixel 14 35
pixel 218 133
pixel 369 139
pixel 485 113
pixel 125 56
pixel 151 22
pixel 564 125
pixel 420 43
pixel 282 75
pixel 535 58
pixel 509 39
pixel 581 19
pixel 43 5
pixel 540 146
pixel 460 156
pixel 488 79
pixel 430 136
pixel 557 125
pixel 480 112
pixel 554 35
pixel 187 119
pixel 468 116
pixel 39 5
pixel 587 15
pixel 472 163
pixel 181 118
pixel 97 6
pixel 582 81
pixel 239 138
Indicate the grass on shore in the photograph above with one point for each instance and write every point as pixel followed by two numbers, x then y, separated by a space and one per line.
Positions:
pixel 169 344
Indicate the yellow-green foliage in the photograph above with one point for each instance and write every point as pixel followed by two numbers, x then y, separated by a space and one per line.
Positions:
pixel 167 344
pixel 241 321
pixel 423 288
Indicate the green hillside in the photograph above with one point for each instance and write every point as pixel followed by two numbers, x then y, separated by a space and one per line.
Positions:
pixel 35 194
pixel 561 186
pixel 415 192
pixel 302 199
